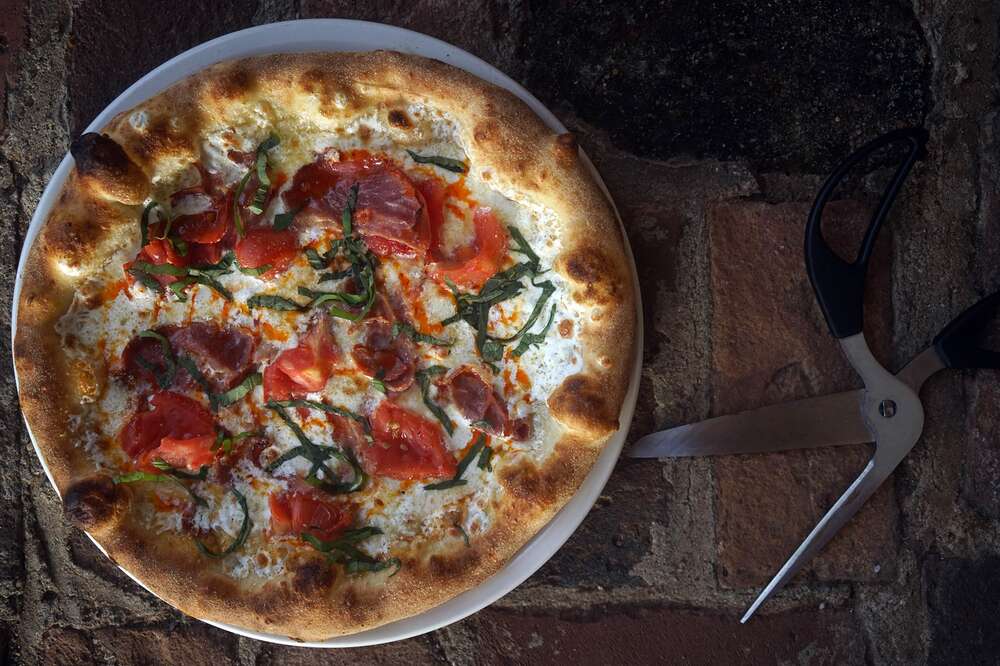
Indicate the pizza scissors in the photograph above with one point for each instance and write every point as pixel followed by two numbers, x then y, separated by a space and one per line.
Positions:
pixel 887 411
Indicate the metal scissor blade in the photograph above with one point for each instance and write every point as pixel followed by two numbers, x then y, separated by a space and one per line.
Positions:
pixel 853 499
pixel 827 420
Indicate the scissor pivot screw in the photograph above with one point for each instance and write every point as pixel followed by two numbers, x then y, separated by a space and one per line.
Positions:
pixel 887 408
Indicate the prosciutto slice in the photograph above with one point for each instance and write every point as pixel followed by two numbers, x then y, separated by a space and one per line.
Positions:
pixel 477 401
pixel 385 357
pixel 223 355
pixel 388 206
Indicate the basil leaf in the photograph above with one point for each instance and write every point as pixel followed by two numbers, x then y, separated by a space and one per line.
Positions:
pixel 178 287
pixel 465 535
pixel 485 459
pixel 317 455
pixel 522 247
pixel 209 281
pixel 446 163
pixel 379 385
pixel 547 290
pixel 316 260
pixel 166 377
pixel 343 551
pixel 164 466
pixel 423 378
pixel 255 272
pixel 284 220
pixel 240 538
pixel 416 336
pixel 338 275
pixel 359 479
pixel 323 407
pixel 188 364
pixel 320 297
pixel 239 391
pixel 132 477
pixel 445 485
pixel 180 246
pixel 144 223
pixel 273 302
pixel 227 443
pixel 145 279
pixel 534 338
pixel 160 269
pixel 347 219
pixel 457 480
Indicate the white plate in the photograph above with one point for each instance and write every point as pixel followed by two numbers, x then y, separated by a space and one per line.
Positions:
pixel 345 35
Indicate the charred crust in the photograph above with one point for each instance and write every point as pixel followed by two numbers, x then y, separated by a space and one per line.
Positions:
pixel 106 168
pixel 98 153
pixel 594 275
pixel 92 502
pixel 312 576
pixel 398 118
pixel 582 402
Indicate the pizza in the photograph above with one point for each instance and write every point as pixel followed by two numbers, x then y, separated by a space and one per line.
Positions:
pixel 314 342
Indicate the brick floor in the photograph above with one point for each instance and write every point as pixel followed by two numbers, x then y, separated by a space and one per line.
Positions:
pixel 713 123
pixel 770 344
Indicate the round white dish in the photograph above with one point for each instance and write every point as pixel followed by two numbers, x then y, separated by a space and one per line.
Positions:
pixel 347 35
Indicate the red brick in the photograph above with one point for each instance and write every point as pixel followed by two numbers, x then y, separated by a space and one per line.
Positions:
pixel 64 647
pixel 664 635
pixel 409 653
pixel 190 644
pixel 771 344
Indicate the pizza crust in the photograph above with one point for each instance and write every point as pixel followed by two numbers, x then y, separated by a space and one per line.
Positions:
pixel 94 224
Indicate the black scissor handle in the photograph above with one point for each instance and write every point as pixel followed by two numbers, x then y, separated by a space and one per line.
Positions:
pixel 958 343
pixel 840 285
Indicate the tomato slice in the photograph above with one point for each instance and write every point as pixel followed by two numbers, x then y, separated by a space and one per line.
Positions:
pixel 297 513
pixel 171 416
pixel 471 266
pixel 407 446
pixel 187 453
pixel 305 368
pixel 265 246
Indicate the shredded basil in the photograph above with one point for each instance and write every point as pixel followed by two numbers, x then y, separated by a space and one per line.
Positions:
pixel 344 551
pixel 379 385
pixel 239 391
pixel 145 279
pixel 474 309
pixel 486 459
pixel 227 443
pixel 206 276
pixel 534 338
pixel 465 535
pixel 164 466
pixel 144 223
pixel 255 272
pixel 284 220
pixel 446 163
pixel 240 538
pixel 133 477
pixel 274 302
pixel 318 298
pixel 260 166
pixel 165 377
pixel 336 275
pixel 409 331
pixel 323 407
pixel 457 480
pixel 423 378
pixel 318 455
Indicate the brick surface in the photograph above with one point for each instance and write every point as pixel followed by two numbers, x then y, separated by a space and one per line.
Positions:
pixel 401 653
pixel 770 344
pixel 663 635
pixel 964 599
